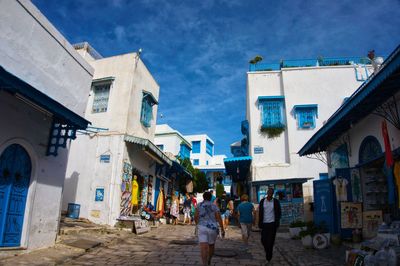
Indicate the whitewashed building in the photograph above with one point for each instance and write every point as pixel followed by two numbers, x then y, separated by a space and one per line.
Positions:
pixel 122 107
pixel 172 141
pixel 44 84
pixel 286 104
pixel 203 157
pixel 362 141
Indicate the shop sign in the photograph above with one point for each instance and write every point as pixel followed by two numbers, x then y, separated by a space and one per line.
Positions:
pixel 141 226
pixel 105 158
pixel 258 150
pixel 99 194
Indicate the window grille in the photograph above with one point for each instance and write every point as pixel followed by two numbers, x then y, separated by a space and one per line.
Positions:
pixel 101 96
pixel 272 112
pixel 306 115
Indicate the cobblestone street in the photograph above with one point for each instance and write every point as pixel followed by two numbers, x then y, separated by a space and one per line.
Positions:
pixel 175 245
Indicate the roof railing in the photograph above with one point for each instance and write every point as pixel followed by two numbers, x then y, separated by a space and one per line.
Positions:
pixel 321 61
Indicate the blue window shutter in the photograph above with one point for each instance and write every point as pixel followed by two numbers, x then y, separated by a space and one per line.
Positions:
pixel 195 146
pixel 184 151
pixel 146 113
pixel 209 147
pixel 196 162
pixel 272 113
pixel 306 116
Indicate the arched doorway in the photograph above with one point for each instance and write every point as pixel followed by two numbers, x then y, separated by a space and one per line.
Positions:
pixel 369 149
pixel 15 174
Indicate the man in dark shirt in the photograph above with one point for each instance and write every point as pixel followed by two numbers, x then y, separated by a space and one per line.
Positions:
pixel 268 222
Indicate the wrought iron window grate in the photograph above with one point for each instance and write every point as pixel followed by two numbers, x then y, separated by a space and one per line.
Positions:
pixel 59 135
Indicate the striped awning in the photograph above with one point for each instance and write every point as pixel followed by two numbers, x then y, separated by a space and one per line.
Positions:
pixel 150 147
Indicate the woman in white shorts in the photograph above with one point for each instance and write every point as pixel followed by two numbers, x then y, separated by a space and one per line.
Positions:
pixel 207 218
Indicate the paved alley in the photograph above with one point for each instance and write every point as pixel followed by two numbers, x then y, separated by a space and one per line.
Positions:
pixel 175 245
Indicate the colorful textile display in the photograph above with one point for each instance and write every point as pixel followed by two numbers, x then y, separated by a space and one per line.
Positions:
pixel 160 202
pixel 135 191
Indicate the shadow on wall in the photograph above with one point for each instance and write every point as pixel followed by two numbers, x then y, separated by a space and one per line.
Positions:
pixel 70 187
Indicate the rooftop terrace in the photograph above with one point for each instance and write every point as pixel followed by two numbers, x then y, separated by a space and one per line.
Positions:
pixel 330 61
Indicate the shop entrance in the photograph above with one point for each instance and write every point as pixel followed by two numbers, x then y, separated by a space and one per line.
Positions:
pixel 15 173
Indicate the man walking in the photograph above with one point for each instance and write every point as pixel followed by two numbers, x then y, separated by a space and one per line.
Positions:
pixel 269 217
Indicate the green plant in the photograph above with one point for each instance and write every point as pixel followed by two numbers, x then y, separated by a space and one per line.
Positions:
pixel 219 190
pixel 297 223
pixel 311 230
pixel 272 132
pixel 256 59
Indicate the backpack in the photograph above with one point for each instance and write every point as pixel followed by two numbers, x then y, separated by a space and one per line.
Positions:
pixel 223 204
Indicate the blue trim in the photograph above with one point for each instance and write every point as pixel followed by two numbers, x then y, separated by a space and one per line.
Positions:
pixel 360 104
pixel 196 146
pixel 302 106
pixel 269 98
pixel 209 147
pixel 306 115
pixel 11 83
pixel 150 97
pixel 280 181
pixel 235 159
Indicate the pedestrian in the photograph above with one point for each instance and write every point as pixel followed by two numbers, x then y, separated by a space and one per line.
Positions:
pixel 187 203
pixel 222 203
pixel 193 207
pixel 174 211
pixel 213 198
pixel 246 214
pixel 268 222
pixel 207 218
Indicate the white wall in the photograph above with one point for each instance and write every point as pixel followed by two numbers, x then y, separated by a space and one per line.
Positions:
pixel 203 156
pixel 325 86
pixel 34 51
pixel 170 138
pixel 126 94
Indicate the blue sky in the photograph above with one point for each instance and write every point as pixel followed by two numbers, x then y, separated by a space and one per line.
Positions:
pixel 198 51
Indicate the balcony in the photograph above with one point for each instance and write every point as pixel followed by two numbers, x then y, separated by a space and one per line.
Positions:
pixel 330 61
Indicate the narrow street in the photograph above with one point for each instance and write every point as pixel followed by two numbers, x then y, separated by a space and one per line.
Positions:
pixel 174 245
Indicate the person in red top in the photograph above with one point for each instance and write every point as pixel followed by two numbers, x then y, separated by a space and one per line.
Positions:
pixel 193 207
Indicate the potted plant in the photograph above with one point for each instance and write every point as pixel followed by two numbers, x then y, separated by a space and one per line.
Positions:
pixel 307 235
pixel 295 228
pixel 272 131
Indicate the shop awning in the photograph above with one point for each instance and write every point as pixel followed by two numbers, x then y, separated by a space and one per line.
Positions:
pixel 280 181
pixel 149 147
pixel 26 92
pixel 179 169
pixel 238 167
pixel 371 94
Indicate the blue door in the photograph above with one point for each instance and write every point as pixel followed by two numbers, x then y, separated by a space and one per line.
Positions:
pixel 15 173
pixel 156 191
pixel 324 205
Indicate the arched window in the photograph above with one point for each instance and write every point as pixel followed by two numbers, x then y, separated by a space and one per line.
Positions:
pixel 339 157
pixel 369 149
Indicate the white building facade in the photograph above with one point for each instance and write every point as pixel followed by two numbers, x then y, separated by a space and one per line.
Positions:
pixel 119 152
pixel 286 105
pixel 43 88
pixel 203 158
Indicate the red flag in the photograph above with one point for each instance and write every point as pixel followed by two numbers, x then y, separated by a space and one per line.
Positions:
pixel 388 150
